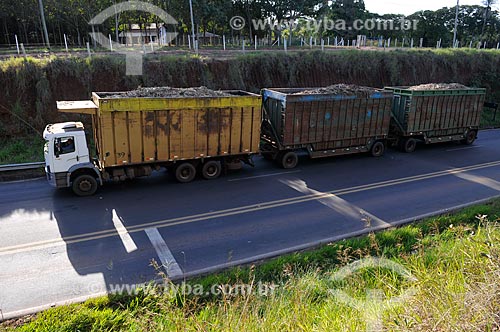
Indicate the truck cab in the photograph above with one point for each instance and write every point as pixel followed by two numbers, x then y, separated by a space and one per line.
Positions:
pixel 67 159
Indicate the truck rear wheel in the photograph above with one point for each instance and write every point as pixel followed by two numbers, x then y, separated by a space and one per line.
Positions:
pixel 211 170
pixel 470 137
pixel 185 172
pixel 289 160
pixel 378 149
pixel 84 185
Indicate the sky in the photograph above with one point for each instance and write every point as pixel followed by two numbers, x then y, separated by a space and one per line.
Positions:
pixel 408 7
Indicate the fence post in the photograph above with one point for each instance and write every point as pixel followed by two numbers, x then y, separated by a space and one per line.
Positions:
pixel 88 50
pixel 17 44
pixel 23 49
pixel 111 43
pixel 66 43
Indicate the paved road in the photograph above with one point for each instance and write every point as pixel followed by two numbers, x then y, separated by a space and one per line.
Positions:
pixel 55 247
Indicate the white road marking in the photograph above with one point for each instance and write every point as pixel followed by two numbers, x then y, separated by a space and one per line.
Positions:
pixel 127 240
pixel 264 176
pixel 336 203
pixel 466 148
pixel 166 258
pixel 482 180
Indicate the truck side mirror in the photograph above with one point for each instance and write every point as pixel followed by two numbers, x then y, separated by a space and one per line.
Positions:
pixel 57 147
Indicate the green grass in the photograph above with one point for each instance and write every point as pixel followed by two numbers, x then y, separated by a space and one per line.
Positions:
pixel 489 119
pixel 23 150
pixel 454 259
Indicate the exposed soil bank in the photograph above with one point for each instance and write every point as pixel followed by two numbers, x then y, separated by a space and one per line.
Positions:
pixel 31 87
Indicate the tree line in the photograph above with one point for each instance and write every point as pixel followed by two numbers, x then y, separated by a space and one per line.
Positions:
pixel 22 18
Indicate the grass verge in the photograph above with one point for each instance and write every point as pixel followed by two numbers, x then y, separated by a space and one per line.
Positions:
pixel 454 261
pixel 22 150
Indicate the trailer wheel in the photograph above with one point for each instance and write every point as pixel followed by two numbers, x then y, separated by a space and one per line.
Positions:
pixel 289 160
pixel 378 149
pixel 185 172
pixel 470 137
pixel 84 185
pixel 211 170
pixel 408 145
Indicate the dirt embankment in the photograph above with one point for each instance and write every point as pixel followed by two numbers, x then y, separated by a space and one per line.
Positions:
pixel 30 88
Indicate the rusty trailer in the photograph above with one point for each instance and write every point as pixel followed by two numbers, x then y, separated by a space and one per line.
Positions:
pixel 433 116
pixel 323 124
pixel 187 135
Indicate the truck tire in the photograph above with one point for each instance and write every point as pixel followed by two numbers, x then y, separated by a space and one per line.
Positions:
pixel 289 160
pixel 408 145
pixel 211 170
pixel 470 137
pixel 378 149
pixel 185 172
pixel 84 185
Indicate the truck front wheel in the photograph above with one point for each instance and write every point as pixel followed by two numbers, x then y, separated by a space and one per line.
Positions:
pixel 289 160
pixel 84 185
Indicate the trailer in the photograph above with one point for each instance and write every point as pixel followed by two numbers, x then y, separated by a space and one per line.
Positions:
pixel 323 124
pixel 435 115
pixel 134 136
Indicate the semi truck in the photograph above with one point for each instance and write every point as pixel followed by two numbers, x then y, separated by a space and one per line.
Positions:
pixel 135 135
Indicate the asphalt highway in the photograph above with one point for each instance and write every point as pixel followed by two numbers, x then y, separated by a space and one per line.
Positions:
pixel 57 248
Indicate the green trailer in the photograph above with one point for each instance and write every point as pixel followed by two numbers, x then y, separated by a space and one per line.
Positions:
pixel 433 116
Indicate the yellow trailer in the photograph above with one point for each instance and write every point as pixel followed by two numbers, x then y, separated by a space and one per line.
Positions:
pixel 135 135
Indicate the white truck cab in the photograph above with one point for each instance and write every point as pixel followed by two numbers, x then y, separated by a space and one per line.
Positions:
pixel 67 159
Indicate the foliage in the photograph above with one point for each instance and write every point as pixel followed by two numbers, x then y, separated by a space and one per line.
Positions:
pixel 71 17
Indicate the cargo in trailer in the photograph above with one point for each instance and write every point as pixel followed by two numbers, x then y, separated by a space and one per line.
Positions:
pixel 337 120
pixel 135 135
pixel 434 113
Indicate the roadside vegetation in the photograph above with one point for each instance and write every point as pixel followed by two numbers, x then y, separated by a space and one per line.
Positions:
pixel 454 261
pixel 22 150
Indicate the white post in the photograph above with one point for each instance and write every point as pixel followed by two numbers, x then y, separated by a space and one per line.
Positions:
pixel 498 46
pixel 484 45
pixel 22 48
pixel 279 41
pixel 66 43
pixel 421 42
pixel 256 42
pixel 470 45
pixel 285 44
pixel 411 45
pixel 243 44
pixel 17 44
pixel 328 41
pixel 224 41
pixel 389 43
pixel 403 44
pixel 189 42
pixel 301 41
pixel 88 49
pixel 110 42
pixel 336 42
pixel 396 43
pixel 310 42
pixel 152 47
pixel 322 44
